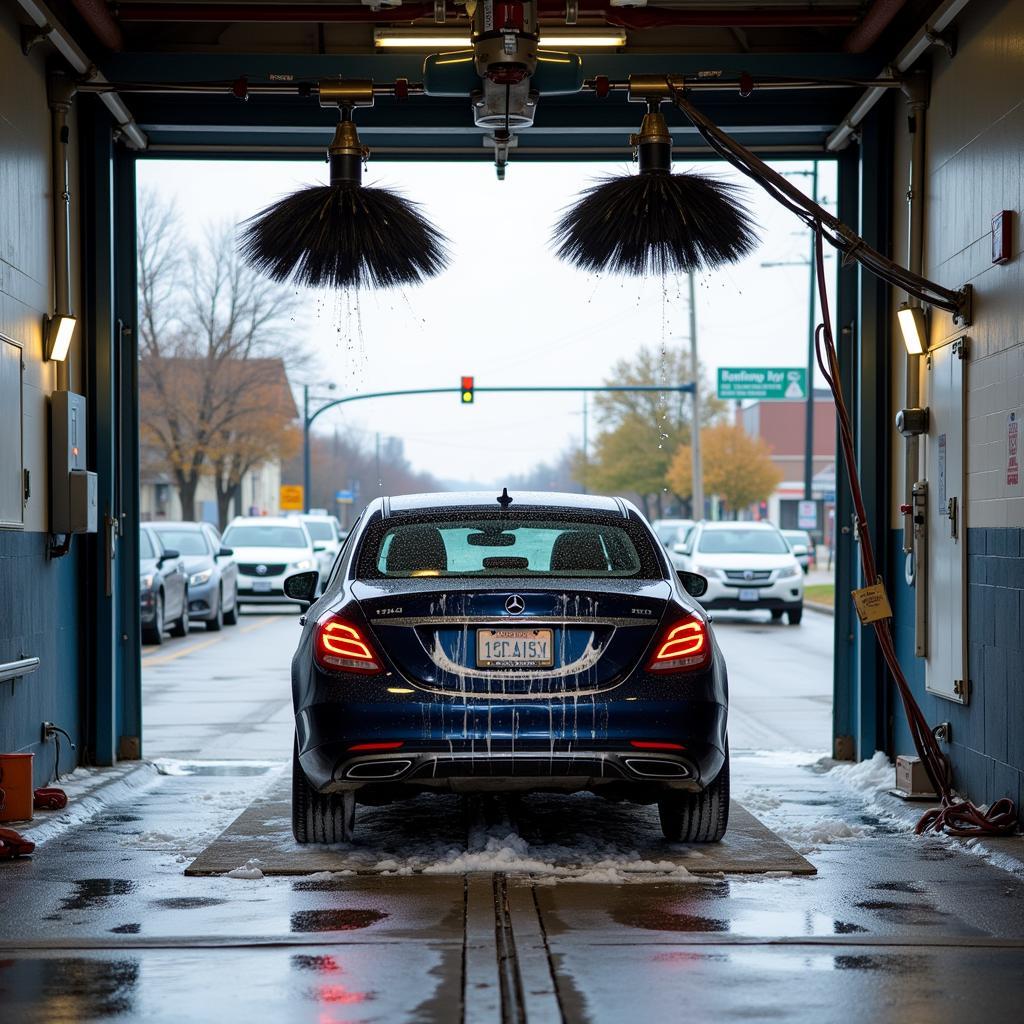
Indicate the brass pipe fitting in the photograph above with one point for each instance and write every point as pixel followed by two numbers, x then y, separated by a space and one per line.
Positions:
pixel 346 93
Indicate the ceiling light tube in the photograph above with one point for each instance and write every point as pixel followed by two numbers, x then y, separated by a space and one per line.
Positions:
pixel 914 327
pixel 57 332
pixel 411 39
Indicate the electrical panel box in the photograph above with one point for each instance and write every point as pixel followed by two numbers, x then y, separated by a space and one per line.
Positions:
pixel 72 487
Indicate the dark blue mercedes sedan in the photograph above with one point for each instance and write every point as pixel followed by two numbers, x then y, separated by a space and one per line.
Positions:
pixel 527 642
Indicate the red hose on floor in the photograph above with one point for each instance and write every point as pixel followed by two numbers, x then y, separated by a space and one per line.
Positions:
pixel 957 817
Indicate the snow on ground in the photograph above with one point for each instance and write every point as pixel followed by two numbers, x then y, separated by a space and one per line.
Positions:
pixel 250 870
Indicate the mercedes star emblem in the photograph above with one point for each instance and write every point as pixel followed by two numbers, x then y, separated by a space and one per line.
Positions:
pixel 515 605
pixel 261 570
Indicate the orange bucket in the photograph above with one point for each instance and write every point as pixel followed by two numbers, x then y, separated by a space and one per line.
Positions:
pixel 16 787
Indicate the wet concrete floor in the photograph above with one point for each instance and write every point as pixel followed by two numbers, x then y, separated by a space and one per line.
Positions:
pixel 103 925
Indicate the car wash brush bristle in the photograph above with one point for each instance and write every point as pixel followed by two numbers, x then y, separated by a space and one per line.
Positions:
pixel 344 235
pixel 655 222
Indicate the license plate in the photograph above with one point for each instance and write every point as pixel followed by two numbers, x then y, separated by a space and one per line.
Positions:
pixel 749 595
pixel 262 586
pixel 514 648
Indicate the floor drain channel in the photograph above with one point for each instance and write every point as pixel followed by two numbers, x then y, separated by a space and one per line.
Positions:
pixel 513 1010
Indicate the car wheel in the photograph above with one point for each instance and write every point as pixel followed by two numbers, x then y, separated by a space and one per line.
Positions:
pixel 214 624
pixel 697 817
pixel 776 615
pixel 319 817
pixel 154 634
pixel 179 627
pixel 795 615
pixel 231 616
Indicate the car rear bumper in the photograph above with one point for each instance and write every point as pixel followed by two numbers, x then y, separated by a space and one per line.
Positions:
pixel 476 745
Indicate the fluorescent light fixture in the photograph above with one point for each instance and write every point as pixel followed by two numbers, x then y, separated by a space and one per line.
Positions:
pixel 57 331
pixel 914 328
pixel 411 39
pixel 585 41
pixel 419 41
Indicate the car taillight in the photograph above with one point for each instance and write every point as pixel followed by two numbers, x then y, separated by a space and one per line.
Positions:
pixel 684 646
pixel 340 646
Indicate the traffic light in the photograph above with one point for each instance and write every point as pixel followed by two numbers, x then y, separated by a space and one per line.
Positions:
pixel 467 390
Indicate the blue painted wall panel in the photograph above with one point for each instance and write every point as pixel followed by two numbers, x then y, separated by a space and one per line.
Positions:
pixel 987 751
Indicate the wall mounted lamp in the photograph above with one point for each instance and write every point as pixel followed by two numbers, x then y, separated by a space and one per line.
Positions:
pixel 914 327
pixel 57 333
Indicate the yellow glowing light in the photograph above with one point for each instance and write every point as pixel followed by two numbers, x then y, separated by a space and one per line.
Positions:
pixel 913 328
pixel 400 689
pixel 396 38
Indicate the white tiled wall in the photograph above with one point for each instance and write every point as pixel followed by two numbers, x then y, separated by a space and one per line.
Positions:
pixel 975 168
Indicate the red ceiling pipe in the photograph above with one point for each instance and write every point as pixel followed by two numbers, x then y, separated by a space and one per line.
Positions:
pixel 195 12
pixel 97 16
pixel 649 18
pixel 872 25
pixel 653 17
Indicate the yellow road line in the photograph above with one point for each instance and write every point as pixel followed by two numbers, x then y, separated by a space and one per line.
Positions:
pixel 262 622
pixel 163 659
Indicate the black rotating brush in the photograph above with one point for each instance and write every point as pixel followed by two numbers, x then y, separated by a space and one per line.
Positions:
pixel 655 222
pixel 344 234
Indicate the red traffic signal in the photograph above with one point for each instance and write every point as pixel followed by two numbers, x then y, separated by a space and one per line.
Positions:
pixel 467 390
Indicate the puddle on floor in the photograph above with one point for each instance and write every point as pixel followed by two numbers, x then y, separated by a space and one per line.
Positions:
pixel 334 920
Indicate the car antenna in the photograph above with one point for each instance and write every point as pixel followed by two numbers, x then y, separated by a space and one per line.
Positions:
pixel 504 500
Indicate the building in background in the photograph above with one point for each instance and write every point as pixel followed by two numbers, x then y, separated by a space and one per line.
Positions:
pixel 781 425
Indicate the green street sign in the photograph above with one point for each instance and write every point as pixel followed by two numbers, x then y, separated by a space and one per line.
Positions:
pixel 767 383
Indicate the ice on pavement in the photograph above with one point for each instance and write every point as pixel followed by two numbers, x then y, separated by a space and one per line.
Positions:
pixel 250 870
pixel 809 837
pixel 868 776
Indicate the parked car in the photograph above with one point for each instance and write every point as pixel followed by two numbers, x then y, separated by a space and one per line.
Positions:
pixel 163 586
pixel 327 539
pixel 267 550
pixel 748 566
pixel 802 545
pixel 212 572
pixel 673 533
pixel 472 645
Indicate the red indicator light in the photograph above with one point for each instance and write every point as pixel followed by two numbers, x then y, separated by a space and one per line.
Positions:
pixel 341 647
pixel 365 747
pixel 684 646
pixel 655 745
pixel 467 390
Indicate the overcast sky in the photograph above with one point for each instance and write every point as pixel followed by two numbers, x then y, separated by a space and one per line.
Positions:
pixel 506 311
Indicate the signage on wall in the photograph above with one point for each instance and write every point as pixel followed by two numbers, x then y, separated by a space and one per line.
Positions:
pixel 1012 450
pixel 807 515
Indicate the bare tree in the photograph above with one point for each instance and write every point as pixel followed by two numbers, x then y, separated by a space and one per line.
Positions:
pixel 208 327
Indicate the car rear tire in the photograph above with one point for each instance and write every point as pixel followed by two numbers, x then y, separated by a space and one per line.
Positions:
pixel 795 616
pixel 697 817
pixel 154 634
pixel 319 817
pixel 214 625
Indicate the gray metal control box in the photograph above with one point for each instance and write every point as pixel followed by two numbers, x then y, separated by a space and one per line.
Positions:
pixel 72 487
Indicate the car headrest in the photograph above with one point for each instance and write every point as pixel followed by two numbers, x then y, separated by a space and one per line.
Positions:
pixel 578 550
pixel 415 549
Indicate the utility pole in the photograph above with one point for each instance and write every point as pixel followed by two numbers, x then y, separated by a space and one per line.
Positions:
pixel 809 411
pixel 586 451
pixel 698 468
pixel 305 447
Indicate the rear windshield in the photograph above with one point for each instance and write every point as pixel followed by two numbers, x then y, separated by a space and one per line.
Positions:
pixel 320 531
pixel 188 542
pixel 467 547
pixel 265 537
pixel 740 541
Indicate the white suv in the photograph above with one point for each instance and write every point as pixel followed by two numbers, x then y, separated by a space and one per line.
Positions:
pixel 748 566
pixel 267 550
